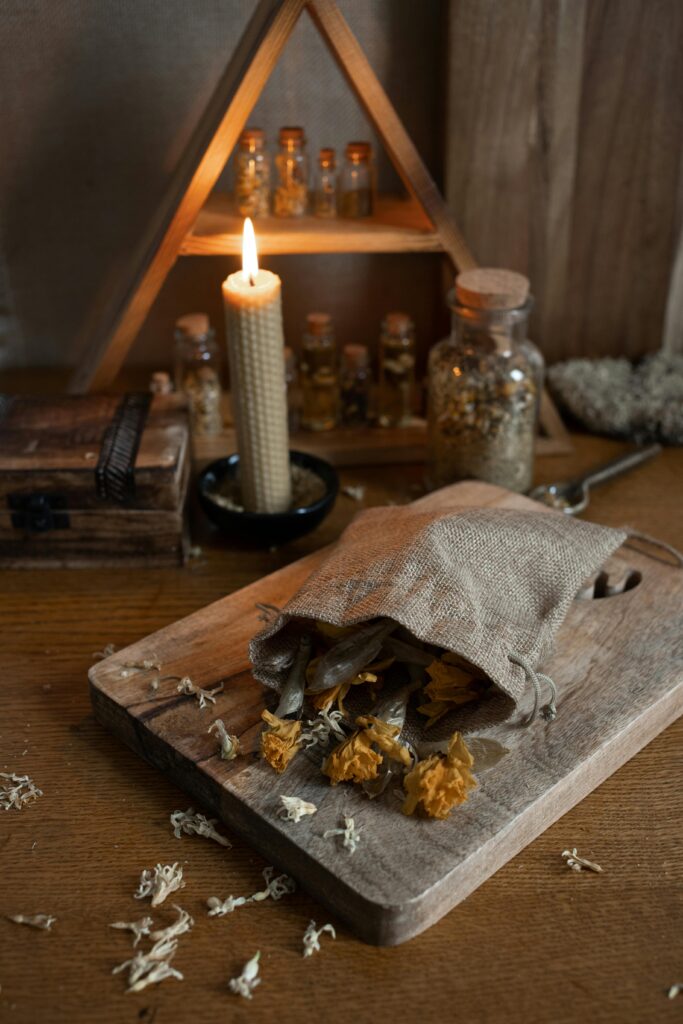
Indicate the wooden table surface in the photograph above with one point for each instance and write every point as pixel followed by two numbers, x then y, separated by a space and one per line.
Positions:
pixel 537 942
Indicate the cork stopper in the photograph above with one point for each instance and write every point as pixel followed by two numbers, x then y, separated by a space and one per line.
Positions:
pixel 398 323
pixel 319 323
pixel 160 383
pixel 253 138
pixel 327 158
pixel 193 325
pixel 291 136
pixel 357 151
pixel 356 356
pixel 490 288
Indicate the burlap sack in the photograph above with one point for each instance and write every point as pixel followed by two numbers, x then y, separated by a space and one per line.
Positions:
pixel 492 585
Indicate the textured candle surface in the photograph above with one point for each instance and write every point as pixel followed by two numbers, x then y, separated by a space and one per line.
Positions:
pixel 259 396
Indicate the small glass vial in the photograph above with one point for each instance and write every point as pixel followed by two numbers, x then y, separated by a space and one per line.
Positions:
pixel 484 385
pixel 396 393
pixel 293 395
pixel 252 174
pixel 290 197
pixel 325 185
pixel 197 372
pixel 160 383
pixel 319 376
pixel 355 381
pixel 357 181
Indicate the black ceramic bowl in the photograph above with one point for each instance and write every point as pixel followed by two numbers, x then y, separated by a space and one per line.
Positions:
pixel 267 528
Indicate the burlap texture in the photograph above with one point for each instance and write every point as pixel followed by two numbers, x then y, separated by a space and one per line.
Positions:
pixel 483 583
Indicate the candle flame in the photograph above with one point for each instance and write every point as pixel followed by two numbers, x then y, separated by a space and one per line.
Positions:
pixel 249 258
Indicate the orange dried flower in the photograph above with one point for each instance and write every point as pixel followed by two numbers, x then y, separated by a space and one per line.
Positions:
pixel 325 698
pixel 449 686
pixel 385 736
pixel 440 782
pixel 279 740
pixel 353 760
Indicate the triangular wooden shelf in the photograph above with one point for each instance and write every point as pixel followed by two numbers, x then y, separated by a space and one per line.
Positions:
pixel 192 221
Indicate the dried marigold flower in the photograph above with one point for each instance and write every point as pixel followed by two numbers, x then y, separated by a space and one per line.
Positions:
pixel 385 736
pixel 450 686
pixel 323 700
pixel 440 782
pixel 354 760
pixel 280 740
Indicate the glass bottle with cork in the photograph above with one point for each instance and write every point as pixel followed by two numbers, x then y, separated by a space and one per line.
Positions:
pixel 325 185
pixel 197 372
pixel 357 181
pixel 319 375
pixel 484 384
pixel 252 174
pixel 355 381
pixel 396 392
pixel 290 198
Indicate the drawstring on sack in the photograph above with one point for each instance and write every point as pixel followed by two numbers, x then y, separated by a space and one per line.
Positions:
pixel 662 545
pixel 549 710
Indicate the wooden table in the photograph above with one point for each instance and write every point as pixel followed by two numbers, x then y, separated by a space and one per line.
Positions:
pixel 536 943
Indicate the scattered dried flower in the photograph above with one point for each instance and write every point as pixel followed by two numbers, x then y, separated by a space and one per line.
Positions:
pixel 354 491
pixel 277 886
pixel 441 781
pixel 138 928
pixel 229 744
pixel 248 980
pixel 42 921
pixel 196 825
pixel 154 966
pixel 204 697
pixel 675 990
pixel 17 791
pixel 106 652
pixel 321 729
pixel 280 741
pixel 350 833
pixel 131 667
pixel 385 737
pixel 160 883
pixel 576 863
pixel 294 809
pixel 312 937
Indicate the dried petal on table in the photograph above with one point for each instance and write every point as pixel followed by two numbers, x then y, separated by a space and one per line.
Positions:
pixel 160 883
pixel 229 744
pixel 138 928
pixel 17 790
pixel 280 741
pixel 351 834
pixel 42 921
pixel 440 782
pixel 248 980
pixel 194 824
pixel 312 937
pixel 578 864
pixel 294 808
pixel 277 886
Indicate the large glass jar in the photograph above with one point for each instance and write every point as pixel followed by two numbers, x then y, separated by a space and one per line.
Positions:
pixel 252 174
pixel 197 372
pixel 396 391
pixel 290 197
pixel 357 181
pixel 319 374
pixel 484 385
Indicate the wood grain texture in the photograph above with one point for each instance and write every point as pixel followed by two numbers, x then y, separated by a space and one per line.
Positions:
pixel 563 160
pixel 397 225
pixel 535 943
pixel 618 666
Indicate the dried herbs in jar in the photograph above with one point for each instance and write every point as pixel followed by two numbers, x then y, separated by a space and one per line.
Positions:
pixel 484 385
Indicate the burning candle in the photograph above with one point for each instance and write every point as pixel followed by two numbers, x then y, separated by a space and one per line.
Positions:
pixel 253 316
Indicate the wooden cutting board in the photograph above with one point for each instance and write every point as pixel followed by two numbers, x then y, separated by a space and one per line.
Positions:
pixel 619 670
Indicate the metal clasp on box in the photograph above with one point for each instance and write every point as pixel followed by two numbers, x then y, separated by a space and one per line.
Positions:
pixel 38 513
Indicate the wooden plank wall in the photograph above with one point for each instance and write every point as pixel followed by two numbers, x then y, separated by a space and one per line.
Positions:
pixel 564 160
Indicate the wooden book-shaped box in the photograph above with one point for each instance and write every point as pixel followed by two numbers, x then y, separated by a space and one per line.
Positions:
pixel 93 480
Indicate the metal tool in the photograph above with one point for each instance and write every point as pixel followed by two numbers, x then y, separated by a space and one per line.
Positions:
pixel 573 495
